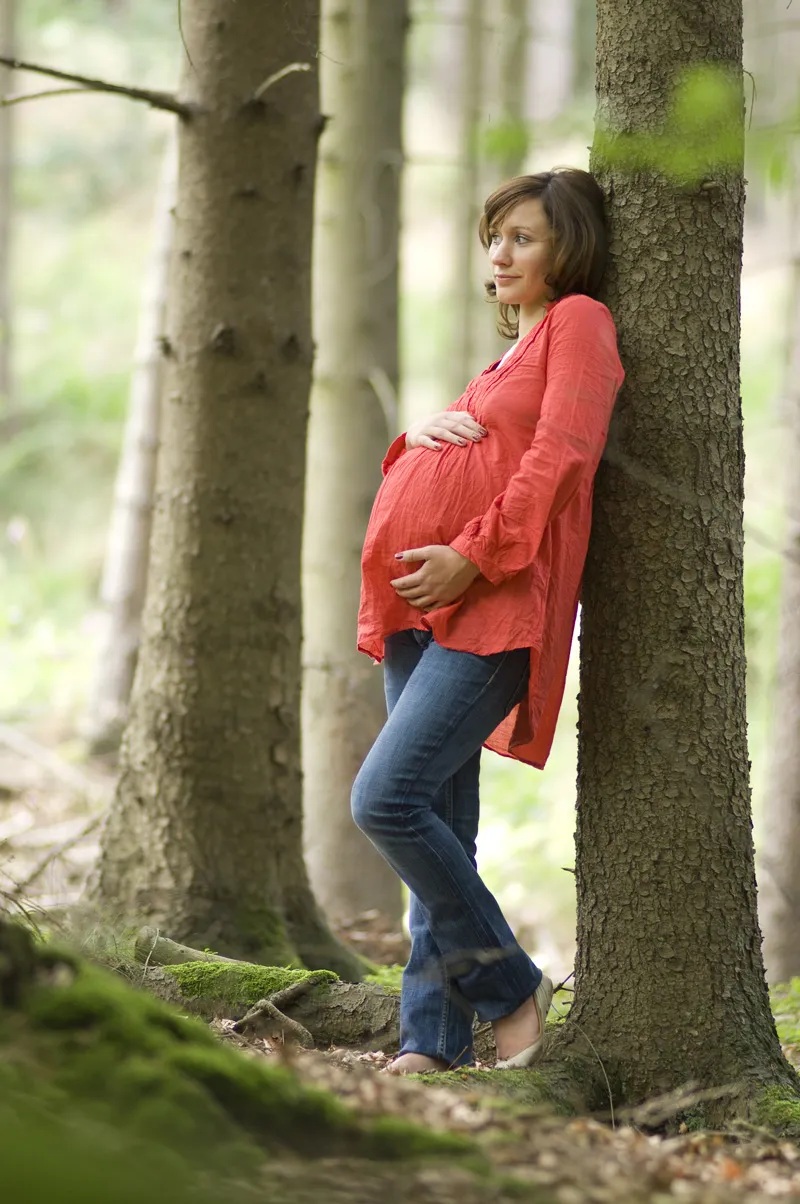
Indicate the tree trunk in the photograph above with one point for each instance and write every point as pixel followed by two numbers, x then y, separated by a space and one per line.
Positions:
pixel 669 978
pixel 8 44
pixel 513 58
pixel 353 416
pixel 779 856
pixel 552 73
pixel 583 49
pixel 475 341
pixel 204 834
pixel 125 571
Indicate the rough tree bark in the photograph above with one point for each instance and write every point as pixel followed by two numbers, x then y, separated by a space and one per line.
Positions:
pixel 8 45
pixel 779 854
pixel 669 977
pixel 204 835
pixel 124 581
pixel 353 416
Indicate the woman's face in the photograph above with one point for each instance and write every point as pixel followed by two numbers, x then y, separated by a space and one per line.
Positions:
pixel 521 254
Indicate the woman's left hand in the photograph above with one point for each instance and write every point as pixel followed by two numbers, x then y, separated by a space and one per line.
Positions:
pixel 443 578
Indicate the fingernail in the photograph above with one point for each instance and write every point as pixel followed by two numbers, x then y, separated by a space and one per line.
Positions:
pixel 463 442
pixel 398 555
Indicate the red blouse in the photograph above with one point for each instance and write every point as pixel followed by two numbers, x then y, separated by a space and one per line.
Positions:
pixel 518 504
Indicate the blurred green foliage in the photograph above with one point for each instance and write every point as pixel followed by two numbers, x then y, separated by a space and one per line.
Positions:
pixel 701 134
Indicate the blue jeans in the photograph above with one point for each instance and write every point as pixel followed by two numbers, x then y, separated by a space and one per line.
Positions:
pixel 416 798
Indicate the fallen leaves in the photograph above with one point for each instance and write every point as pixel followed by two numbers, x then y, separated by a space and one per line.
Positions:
pixel 578 1161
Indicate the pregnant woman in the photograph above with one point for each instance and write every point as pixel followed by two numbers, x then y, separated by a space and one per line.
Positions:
pixel 471 575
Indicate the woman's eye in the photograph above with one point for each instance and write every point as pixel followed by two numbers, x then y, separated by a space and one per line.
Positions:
pixel 522 238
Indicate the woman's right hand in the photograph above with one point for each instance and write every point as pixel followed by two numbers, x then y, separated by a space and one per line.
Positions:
pixel 451 426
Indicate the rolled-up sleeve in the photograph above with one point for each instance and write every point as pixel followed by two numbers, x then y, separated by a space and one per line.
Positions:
pixel 395 451
pixel 583 378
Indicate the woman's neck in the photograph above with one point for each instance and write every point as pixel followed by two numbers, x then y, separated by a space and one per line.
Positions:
pixel 530 316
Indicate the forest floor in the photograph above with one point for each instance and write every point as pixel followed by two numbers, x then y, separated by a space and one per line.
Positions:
pixel 48 840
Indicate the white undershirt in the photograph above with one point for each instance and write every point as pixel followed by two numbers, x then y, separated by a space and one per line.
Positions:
pixel 510 351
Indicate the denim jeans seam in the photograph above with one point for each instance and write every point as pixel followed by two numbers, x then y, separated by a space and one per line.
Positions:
pixel 502 963
pixel 441 1045
pixel 445 1017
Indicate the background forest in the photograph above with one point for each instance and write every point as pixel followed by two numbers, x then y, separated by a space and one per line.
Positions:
pixel 83 188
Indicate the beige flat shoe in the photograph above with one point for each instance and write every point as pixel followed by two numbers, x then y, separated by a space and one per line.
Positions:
pixel 526 1057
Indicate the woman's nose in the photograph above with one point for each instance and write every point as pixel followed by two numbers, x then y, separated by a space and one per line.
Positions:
pixel 499 252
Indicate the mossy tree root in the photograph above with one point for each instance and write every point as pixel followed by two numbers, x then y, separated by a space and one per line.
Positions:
pixel 333 1012
pixel 77 1041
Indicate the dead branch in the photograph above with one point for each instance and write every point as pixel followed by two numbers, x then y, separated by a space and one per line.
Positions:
pixel 278 75
pixel 56 766
pixel 19 97
pixel 660 1108
pixel 158 100
pixel 58 851
pixel 161 951
pixel 267 1020
pixel 282 999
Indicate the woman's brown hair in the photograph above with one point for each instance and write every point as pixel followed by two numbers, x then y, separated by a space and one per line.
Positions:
pixel 573 204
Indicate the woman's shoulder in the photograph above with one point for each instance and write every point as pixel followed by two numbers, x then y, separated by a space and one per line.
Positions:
pixel 581 326
pixel 578 309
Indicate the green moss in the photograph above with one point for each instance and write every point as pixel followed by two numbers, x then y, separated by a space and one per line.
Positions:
pixel 260 933
pixel 87 1045
pixel 238 982
pixel 778 1108
pixel 550 1087
pixel 388 977
pixel 89 1163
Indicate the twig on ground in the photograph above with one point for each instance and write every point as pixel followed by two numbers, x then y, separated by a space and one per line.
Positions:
pixel 289 994
pixel 272 1007
pixel 149 955
pixel 59 850
pixel 280 1025
pixel 158 100
pixel 50 761
pixel 164 952
pixel 654 1112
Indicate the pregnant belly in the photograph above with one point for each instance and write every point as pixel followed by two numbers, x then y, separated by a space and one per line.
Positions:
pixel 428 497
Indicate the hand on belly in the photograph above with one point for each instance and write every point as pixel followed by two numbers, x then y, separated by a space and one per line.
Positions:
pixel 443 578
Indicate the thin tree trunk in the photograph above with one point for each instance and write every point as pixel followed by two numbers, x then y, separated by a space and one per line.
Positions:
pixel 352 415
pixel 513 60
pixel 669 978
pixel 779 855
pixel 204 836
pixel 8 44
pixel 583 49
pixel 467 278
pixel 552 72
pixel 125 571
